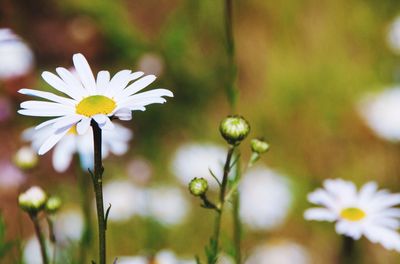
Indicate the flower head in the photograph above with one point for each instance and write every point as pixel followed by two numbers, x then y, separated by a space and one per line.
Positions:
pixel 16 56
pixel 33 200
pixel 234 129
pixel 25 158
pixel 89 98
pixel 113 141
pixel 367 212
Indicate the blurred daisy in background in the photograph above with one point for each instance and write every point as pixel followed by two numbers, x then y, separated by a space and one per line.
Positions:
pixel 167 205
pixel 367 212
pixel 279 252
pixel 11 177
pixel 265 198
pixel 193 160
pixel 162 257
pixel 381 112
pixel 25 158
pixel 114 141
pixel 16 57
pixel 89 99
pixel 126 199
pixel 68 226
pixel 393 36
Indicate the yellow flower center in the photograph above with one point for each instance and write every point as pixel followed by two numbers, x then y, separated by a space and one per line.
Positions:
pixel 72 131
pixel 95 104
pixel 352 214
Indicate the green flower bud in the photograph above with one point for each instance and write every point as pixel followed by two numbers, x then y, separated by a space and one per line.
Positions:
pixel 259 146
pixel 234 129
pixel 198 186
pixel 25 158
pixel 53 204
pixel 33 200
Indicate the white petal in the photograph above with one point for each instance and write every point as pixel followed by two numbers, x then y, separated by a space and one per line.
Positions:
pixel 51 141
pixel 123 114
pixel 29 112
pixel 108 125
pixel 48 122
pixel 76 89
pixel 320 214
pixel 85 73
pixel 100 119
pixel 67 121
pixel 118 83
pixel 83 126
pixel 103 79
pixel 136 86
pixel 48 96
pixel 63 153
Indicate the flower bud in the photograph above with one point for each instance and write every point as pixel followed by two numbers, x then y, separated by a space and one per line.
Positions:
pixel 33 200
pixel 25 158
pixel 259 146
pixel 234 129
pixel 198 186
pixel 53 204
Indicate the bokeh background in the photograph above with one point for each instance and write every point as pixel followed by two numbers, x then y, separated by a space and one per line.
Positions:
pixel 302 68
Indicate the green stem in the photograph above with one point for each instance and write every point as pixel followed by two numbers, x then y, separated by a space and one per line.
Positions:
pixel 230 48
pixel 218 218
pixel 348 254
pixel 86 239
pixel 40 237
pixel 52 237
pixel 97 178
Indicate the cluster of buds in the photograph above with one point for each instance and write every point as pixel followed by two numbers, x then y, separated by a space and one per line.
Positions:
pixel 35 200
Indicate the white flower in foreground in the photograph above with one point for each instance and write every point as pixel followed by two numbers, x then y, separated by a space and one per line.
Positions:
pixel 68 226
pixel 282 252
pixel 89 99
pixel 367 212
pixel 167 205
pixel 393 36
pixel 126 199
pixel 265 198
pixel 16 56
pixel 382 113
pixel 194 161
pixel 114 141
pixel 162 257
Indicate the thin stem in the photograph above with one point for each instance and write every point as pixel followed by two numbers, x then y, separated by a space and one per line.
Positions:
pixel 218 217
pixel 230 48
pixel 52 237
pixel 348 253
pixel 97 177
pixel 40 237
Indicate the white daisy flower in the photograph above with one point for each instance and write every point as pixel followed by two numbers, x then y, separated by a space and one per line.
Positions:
pixel 16 56
pixel 167 205
pixel 89 98
pixel 126 199
pixel 381 112
pixel 281 252
pixel 265 198
pixel 367 212
pixel 162 257
pixel 114 141
pixel 195 160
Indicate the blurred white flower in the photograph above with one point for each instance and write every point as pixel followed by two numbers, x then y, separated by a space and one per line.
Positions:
pixel 282 252
pixel 31 252
pixel 381 112
pixel 393 36
pixel 139 170
pixel 16 57
pixel 367 212
pixel 68 226
pixel 126 200
pixel 167 205
pixel 162 257
pixel 265 198
pixel 194 160
pixel 151 63
pixel 26 158
pixel 10 176
pixel 115 141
